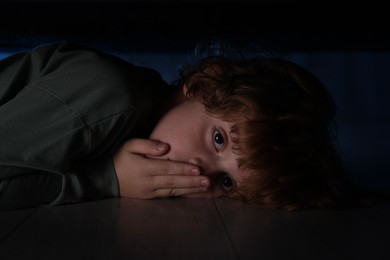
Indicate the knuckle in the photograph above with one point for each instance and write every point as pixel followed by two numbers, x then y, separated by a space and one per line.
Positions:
pixel 170 183
pixel 166 167
pixel 171 193
pixel 149 146
pixel 130 145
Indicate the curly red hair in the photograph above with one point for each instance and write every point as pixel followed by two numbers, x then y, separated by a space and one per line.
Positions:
pixel 283 115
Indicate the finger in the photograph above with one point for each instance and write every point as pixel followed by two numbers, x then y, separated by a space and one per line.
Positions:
pixel 179 181
pixel 165 193
pixel 146 147
pixel 167 167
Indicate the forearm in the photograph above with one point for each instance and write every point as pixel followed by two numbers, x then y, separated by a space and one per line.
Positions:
pixel 21 188
pixel 90 180
pixel 29 190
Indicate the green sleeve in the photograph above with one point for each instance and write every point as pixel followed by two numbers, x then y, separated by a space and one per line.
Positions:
pixel 64 110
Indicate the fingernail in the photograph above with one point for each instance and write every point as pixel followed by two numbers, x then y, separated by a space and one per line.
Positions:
pixel 161 146
pixel 204 183
pixel 195 171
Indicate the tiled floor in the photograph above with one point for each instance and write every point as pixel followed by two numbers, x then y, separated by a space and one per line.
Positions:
pixel 186 228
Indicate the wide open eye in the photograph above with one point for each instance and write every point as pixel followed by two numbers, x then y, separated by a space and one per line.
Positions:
pixel 227 183
pixel 218 139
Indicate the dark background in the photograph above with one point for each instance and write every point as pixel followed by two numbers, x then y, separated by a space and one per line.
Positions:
pixel 345 43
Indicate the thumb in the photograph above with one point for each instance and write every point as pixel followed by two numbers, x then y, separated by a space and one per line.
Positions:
pixel 146 147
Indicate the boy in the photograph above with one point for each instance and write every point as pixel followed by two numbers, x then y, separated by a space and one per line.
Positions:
pixel 256 131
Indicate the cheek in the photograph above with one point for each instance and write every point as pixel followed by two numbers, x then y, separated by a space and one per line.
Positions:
pixel 182 142
pixel 178 134
pixel 183 128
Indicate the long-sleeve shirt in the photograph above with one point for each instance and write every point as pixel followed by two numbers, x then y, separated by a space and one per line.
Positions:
pixel 64 110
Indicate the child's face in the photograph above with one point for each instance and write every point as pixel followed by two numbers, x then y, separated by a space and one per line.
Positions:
pixel 200 139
